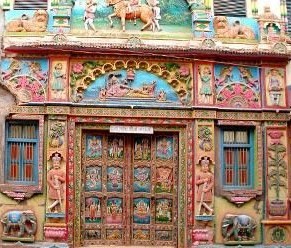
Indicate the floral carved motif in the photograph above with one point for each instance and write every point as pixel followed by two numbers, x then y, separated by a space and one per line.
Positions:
pixel 277 172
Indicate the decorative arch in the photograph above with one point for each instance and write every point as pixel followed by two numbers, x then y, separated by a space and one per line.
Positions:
pixel 84 73
pixel 26 88
pixel 238 95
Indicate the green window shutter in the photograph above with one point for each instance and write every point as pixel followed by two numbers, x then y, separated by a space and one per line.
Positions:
pixel 235 8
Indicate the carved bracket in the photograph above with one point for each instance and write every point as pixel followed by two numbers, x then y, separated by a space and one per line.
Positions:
pixel 240 197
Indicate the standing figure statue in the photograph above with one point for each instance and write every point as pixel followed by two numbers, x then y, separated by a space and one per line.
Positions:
pixel 56 179
pixel 205 183
pixel 89 15
pixel 156 16
pixel 58 84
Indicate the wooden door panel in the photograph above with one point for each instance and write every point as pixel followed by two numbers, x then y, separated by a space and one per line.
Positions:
pixel 129 194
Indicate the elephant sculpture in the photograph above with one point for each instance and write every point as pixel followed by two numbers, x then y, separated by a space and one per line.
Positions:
pixel 238 227
pixel 19 224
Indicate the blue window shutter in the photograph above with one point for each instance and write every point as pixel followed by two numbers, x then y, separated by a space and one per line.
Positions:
pixel 235 8
pixel 288 4
pixel 21 163
pixel 30 4
pixel 237 153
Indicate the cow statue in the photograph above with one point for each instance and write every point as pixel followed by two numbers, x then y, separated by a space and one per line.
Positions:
pixel 238 227
pixel 19 224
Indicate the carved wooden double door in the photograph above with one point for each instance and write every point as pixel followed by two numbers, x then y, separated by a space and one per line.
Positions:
pixel 129 189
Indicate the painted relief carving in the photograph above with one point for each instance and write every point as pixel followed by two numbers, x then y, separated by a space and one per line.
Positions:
pixel 37 23
pixel 141 211
pixel 238 228
pixel 124 10
pixel 202 236
pixel 58 80
pixel 94 147
pixel 164 148
pixel 26 79
pixel 89 15
pixel 271 27
pixel 205 138
pixel 19 225
pixel 141 234
pixel 131 81
pixel 205 84
pixel 204 192
pixel 56 134
pixel 114 210
pixel 114 179
pixel 56 178
pixel 93 180
pixel 116 147
pixel 226 27
pixel 275 87
pixel 277 173
pixel 92 210
pixel 142 149
pixel 237 86
pixel 142 179
pixel 278 234
pixel 164 180
pixel 144 18
pixel 164 210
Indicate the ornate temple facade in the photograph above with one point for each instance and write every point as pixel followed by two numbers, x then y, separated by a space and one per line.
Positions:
pixel 145 123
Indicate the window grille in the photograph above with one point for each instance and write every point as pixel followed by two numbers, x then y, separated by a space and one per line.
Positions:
pixel 237 157
pixel 235 8
pixel 21 152
pixel 288 4
pixel 30 4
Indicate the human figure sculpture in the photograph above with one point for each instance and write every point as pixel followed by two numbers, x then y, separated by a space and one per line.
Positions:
pixel 205 90
pixel 89 15
pixel 204 193
pixel 56 179
pixel 275 86
pixel 58 83
pixel 156 16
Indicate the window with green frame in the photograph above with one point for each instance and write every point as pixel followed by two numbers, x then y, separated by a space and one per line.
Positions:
pixel 237 157
pixel 21 154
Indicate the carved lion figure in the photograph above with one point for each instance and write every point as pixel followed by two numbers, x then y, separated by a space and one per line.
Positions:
pixel 36 23
pixel 235 31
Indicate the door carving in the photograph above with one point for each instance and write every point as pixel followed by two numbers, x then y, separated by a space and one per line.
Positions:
pixel 129 189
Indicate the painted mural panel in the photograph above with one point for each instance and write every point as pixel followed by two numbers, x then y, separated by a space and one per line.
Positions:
pixel 114 210
pixel 93 146
pixel 275 87
pixel 93 180
pixel 142 148
pixel 114 179
pixel 92 210
pixel 142 179
pixel 141 211
pixel 164 211
pixel 237 86
pixel 26 78
pixel 131 83
pixel 148 19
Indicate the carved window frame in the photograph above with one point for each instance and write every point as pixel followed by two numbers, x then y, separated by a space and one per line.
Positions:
pixel 236 146
pixel 238 195
pixel 22 191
